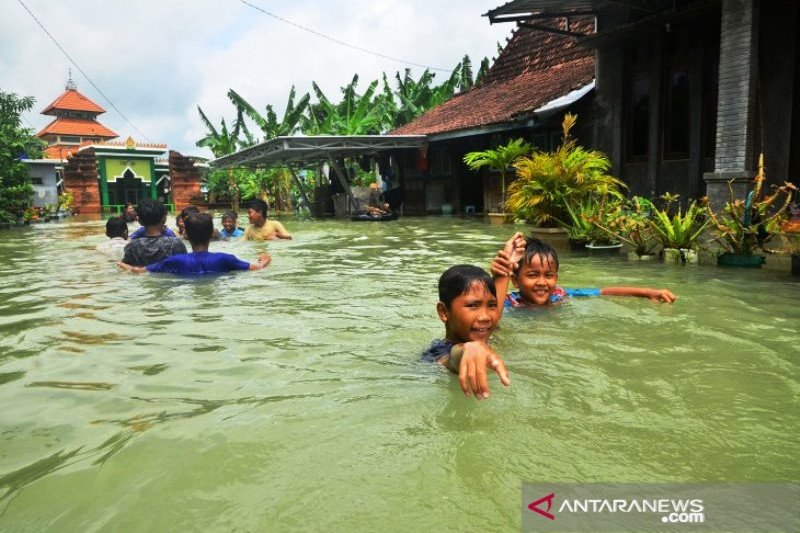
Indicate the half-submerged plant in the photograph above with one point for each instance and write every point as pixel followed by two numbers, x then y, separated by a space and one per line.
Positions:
pixel 682 229
pixel 744 226
pixel 628 223
pixel 498 159
pixel 547 181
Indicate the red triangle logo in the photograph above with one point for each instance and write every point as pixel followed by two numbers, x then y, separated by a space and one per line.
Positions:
pixel 549 499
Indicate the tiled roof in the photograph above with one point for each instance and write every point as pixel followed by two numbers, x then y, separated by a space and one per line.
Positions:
pixel 534 68
pixel 72 100
pixel 77 126
pixel 61 151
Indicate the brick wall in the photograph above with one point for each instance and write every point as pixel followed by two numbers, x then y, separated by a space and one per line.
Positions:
pixel 80 178
pixel 185 180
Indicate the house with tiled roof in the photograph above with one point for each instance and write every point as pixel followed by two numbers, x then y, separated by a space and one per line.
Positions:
pixel 683 95
pixel 688 92
pixel 540 73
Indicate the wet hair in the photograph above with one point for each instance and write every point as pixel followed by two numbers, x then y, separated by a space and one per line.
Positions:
pixel 536 247
pixel 184 214
pixel 260 206
pixel 116 227
pixel 199 227
pixel 459 279
pixel 230 214
pixel 150 212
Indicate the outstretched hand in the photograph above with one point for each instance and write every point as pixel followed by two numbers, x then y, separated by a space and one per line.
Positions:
pixel 473 368
pixel 130 268
pixel 263 261
pixel 662 295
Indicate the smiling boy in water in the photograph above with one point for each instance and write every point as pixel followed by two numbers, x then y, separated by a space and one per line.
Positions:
pixel 469 309
pixel 534 269
pixel 261 229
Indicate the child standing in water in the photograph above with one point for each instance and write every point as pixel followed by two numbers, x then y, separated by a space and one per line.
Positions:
pixel 117 231
pixel 229 229
pixel 534 269
pixel 153 246
pixel 261 229
pixel 469 309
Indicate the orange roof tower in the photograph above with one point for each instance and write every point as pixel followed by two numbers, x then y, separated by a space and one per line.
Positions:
pixel 75 123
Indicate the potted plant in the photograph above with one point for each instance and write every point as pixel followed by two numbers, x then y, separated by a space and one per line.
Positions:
pixel 745 225
pixel 547 181
pixel 579 226
pixel 679 232
pixel 603 216
pixel 498 159
pixel 628 223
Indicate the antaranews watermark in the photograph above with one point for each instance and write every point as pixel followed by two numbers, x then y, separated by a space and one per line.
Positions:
pixel 734 507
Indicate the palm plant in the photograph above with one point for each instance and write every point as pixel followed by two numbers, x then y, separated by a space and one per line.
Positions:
pixel 546 181
pixel 498 159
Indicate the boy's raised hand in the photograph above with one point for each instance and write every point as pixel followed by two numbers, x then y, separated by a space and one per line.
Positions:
pixel 507 259
pixel 474 365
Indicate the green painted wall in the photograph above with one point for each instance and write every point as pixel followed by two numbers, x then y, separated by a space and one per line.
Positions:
pixel 115 168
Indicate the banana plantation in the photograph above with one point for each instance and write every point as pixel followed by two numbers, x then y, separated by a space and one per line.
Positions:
pixel 377 109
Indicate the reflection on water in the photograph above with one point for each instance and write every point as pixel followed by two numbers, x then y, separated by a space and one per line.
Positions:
pixel 294 396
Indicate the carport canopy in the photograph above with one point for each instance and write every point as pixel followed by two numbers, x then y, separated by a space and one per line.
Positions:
pixel 298 151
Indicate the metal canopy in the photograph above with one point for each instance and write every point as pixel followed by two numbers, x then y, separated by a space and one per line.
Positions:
pixel 526 10
pixel 517 10
pixel 299 150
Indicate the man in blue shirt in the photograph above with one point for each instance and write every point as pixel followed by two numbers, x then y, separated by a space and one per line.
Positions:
pixel 199 227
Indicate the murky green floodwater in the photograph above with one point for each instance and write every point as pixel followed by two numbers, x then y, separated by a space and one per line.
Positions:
pixel 293 399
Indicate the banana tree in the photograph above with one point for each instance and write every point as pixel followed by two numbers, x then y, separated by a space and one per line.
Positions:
pixel 223 142
pixel 269 124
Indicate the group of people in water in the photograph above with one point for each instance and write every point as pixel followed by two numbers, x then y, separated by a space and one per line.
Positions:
pixel 155 248
pixel 471 301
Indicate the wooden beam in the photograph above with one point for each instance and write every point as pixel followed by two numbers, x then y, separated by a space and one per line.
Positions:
pixel 551 30
pixel 339 171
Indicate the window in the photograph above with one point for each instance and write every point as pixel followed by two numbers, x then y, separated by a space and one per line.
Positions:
pixel 37 181
pixel 70 139
pixel 676 121
pixel 546 141
pixel 638 118
pixel 541 141
pixel 440 164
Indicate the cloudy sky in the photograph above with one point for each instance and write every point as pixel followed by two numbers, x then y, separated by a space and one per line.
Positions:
pixel 158 60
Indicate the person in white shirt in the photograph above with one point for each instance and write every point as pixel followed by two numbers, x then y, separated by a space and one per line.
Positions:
pixel 117 232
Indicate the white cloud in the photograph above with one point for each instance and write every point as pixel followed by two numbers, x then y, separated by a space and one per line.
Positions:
pixel 157 61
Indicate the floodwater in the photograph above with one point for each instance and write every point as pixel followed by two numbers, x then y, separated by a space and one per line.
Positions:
pixel 293 398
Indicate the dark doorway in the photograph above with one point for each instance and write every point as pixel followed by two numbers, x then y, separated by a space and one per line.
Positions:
pixel 129 188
